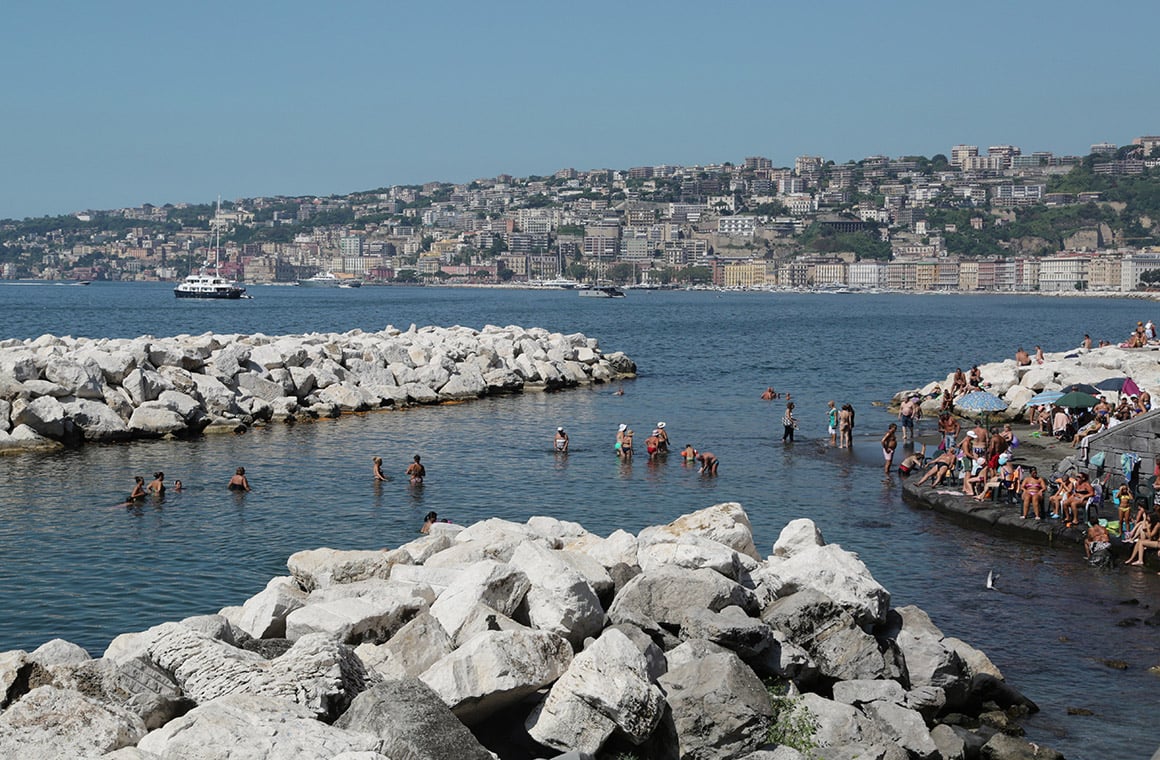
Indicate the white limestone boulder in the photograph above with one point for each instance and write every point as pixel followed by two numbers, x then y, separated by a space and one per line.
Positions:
pixel 254 727
pixel 358 618
pixel 418 645
pixel 796 536
pixel 496 585
pixel 145 385
pixel 24 438
pixel 835 572
pixel 693 552
pixel 606 687
pixel 928 662
pixel 156 418
pixel 663 596
pixel 83 380
pixel 10 664
pixel 49 723
pixel 96 420
pixel 264 614
pixel 319 568
pixel 717 706
pixel 316 672
pixel 496 669
pixel 412 723
pixel 725 523
pixel 45 415
pixel 620 548
pixel 559 599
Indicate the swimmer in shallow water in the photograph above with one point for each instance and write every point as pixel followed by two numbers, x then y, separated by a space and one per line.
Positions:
pixel 238 482
pixel 157 487
pixel 377 462
pixel 428 520
pixel 138 492
pixel 560 442
pixel 689 454
pixel 708 463
pixel 416 472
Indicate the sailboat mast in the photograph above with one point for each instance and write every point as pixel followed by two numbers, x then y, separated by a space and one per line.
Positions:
pixel 217 236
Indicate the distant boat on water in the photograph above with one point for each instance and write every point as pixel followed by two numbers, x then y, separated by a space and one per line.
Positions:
pixel 210 286
pixel 329 280
pixel 601 291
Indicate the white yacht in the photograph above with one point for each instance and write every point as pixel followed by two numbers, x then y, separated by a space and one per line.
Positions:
pixel 601 291
pixel 206 285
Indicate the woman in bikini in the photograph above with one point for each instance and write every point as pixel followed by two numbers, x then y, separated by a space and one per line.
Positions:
pixel 1149 539
pixel 1032 488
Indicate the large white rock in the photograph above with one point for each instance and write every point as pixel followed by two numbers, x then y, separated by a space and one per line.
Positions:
pixel 496 669
pixel 50 723
pixel 620 548
pixel 796 536
pixel 928 662
pixel 415 647
pixel 316 672
pixel 559 599
pixel 97 421
pixel 156 418
pixel 354 619
pixel 835 572
pixel 253 727
pixel 693 552
pixel 145 385
pixel 606 687
pixel 499 586
pixel 319 568
pixel 412 723
pixel 725 523
pixel 45 415
pixel 81 380
pixel 264 614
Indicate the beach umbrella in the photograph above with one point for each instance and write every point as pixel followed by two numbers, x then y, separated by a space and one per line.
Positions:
pixel 1077 400
pixel 1113 384
pixel 1130 388
pixel 1045 398
pixel 1082 388
pixel 981 401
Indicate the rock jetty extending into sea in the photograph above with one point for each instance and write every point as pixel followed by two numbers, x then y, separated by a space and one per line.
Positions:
pixel 533 640
pixel 57 391
pixel 1017 385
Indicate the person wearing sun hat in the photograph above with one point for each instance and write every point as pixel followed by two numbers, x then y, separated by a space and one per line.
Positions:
pixel 620 437
pixel 561 441
pixel 662 439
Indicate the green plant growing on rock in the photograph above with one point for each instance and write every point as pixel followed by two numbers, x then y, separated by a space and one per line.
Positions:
pixel 793 724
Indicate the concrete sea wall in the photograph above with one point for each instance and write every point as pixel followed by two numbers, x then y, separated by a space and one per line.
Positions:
pixel 57 391
pixel 533 640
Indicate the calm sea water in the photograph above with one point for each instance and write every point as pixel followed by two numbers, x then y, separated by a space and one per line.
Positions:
pixel 73 565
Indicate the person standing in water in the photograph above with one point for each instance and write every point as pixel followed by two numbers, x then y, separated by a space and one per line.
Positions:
pixel 708 462
pixel 416 472
pixel 560 442
pixel 238 482
pixel 889 444
pixel 662 439
pixel 157 487
pixel 378 469
pixel 832 420
pixel 789 422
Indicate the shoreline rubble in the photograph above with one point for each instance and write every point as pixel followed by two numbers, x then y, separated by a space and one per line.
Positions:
pixel 65 391
pixel 534 640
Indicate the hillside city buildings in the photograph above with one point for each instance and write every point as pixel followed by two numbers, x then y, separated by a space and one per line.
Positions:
pixel 735 226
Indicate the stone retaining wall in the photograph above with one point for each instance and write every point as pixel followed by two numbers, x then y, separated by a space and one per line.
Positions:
pixel 57 391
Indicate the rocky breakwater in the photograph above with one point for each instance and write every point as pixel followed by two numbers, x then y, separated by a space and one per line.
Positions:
pixel 1017 385
pixel 532 640
pixel 57 391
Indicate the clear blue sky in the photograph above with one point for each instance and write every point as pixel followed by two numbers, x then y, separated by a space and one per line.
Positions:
pixel 109 104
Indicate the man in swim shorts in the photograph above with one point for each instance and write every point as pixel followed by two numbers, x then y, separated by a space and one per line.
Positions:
pixel 906 414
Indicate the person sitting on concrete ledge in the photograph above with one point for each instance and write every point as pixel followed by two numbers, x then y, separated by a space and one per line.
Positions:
pixel 1033 487
pixel 1149 538
pixel 939 468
